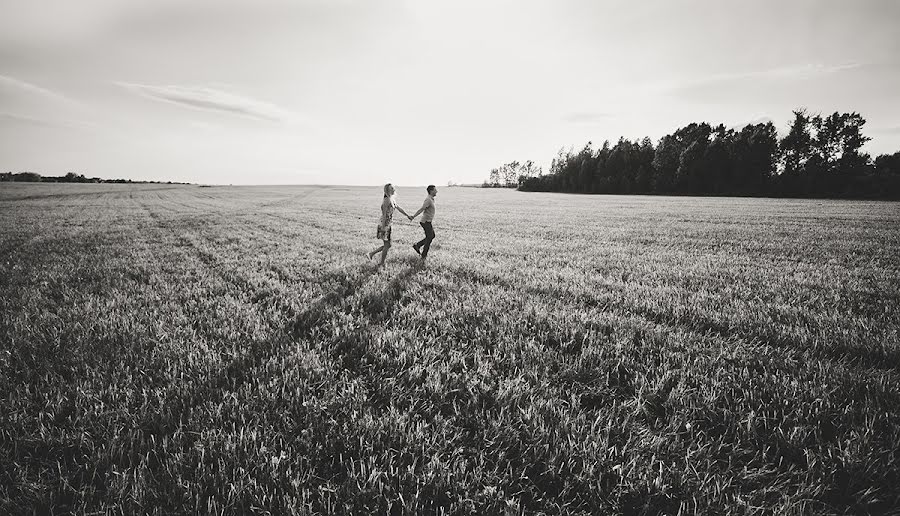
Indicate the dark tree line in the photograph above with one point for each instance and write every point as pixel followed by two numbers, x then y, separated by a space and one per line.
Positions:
pixel 71 177
pixel 819 157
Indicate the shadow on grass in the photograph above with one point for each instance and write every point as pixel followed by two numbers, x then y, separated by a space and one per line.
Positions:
pixel 377 306
pixel 318 320
pixel 349 342
pixel 380 305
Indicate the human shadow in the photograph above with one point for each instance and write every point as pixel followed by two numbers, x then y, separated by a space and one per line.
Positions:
pixel 377 305
pixel 343 323
pixel 381 304
pixel 316 322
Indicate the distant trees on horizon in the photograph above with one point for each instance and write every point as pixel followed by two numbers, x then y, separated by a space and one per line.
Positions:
pixel 819 157
pixel 70 177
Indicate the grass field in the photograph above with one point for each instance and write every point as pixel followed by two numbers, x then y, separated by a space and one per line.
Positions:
pixel 229 349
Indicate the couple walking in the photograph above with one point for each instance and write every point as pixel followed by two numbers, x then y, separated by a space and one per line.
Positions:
pixel 387 215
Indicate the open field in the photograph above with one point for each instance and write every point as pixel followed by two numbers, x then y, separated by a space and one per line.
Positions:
pixel 229 349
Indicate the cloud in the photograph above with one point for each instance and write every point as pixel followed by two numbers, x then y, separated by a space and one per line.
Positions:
pixel 801 71
pixel 29 120
pixel 715 83
pixel 58 123
pixel 26 104
pixel 587 117
pixel 200 97
pixel 10 87
pixel 806 71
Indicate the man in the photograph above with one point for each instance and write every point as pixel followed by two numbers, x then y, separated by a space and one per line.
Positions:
pixel 427 211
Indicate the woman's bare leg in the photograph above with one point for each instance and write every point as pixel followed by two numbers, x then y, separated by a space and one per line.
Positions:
pixel 384 250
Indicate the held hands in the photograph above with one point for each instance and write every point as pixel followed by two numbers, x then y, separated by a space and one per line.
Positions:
pixel 410 217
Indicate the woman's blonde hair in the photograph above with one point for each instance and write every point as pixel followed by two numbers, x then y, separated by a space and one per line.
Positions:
pixel 387 186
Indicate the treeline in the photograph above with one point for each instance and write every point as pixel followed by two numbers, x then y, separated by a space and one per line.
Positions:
pixel 71 177
pixel 819 157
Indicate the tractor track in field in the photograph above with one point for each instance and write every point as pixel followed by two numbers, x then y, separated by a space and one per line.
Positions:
pixel 75 195
pixel 843 353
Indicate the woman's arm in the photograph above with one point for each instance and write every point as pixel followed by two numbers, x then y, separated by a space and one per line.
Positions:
pixel 401 211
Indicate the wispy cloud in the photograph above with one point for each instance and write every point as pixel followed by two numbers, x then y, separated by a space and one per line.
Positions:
pixel 587 117
pixel 8 118
pixel 785 73
pixel 200 97
pixel 23 103
pixel 33 90
pixel 800 71
pixel 805 71
pixel 29 120
pixel 64 123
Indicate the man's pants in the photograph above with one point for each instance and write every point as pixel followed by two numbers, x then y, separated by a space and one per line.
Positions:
pixel 425 243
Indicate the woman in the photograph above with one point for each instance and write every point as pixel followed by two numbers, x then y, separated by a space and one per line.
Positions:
pixel 384 226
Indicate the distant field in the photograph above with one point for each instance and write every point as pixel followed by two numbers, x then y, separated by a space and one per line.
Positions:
pixel 229 349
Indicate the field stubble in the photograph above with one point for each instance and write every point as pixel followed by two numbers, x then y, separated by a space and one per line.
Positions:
pixel 184 349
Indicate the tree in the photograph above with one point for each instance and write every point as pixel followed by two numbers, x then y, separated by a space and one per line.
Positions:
pixel 621 165
pixel 837 141
pixel 887 164
pixel 719 160
pixel 509 173
pixel 796 148
pixel 755 157
pixel 23 177
pixel 494 179
pixel 820 154
pixel 527 171
pixel 691 141
pixel 665 164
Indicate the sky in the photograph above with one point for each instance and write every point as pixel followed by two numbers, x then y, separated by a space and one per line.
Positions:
pixel 415 92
